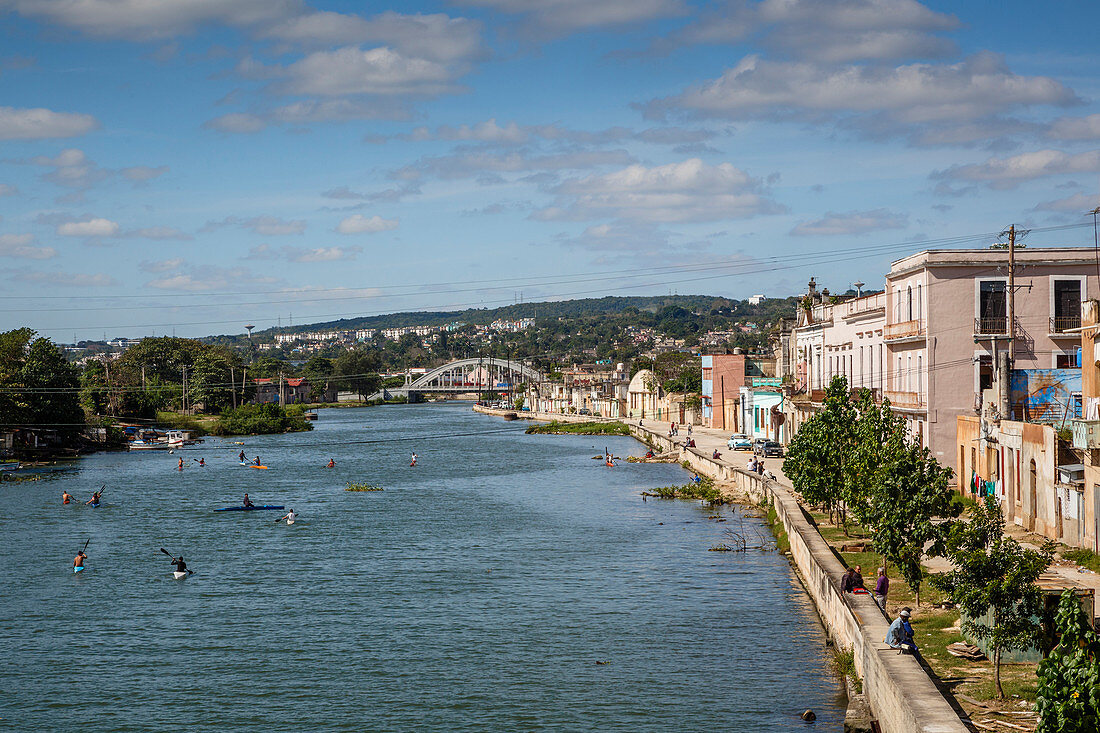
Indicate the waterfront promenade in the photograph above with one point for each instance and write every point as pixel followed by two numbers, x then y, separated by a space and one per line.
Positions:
pixel 901 694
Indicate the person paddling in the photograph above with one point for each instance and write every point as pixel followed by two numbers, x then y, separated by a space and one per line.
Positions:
pixel 180 466
pixel 241 456
pixel 94 501
pixel 290 517
pixel 78 561
pixel 181 566
pixel 66 497
pixel 202 463
pixel 331 463
pixel 258 461
pixel 247 501
pixel 413 460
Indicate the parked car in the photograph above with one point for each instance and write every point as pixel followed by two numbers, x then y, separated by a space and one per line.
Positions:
pixel 739 441
pixel 584 411
pixel 771 449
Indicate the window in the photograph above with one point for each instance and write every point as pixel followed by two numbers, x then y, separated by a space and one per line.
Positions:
pixel 992 306
pixel 708 373
pixel 985 372
pixel 919 303
pixel 920 372
pixel 1067 361
pixel 897 377
pixel 909 374
pixel 909 303
pixel 1067 305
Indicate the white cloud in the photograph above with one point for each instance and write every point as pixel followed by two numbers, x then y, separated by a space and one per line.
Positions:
pixel 161 265
pixel 686 191
pixel 832 31
pixel 143 173
pixel 203 278
pixel 23 247
pixel 236 122
pixel 96 227
pixel 1077 203
pixel 1075 128
pixel 1004 173
pixel 158 232
pixel 852 223
pixel 270 226
pixel 71 169
pixel 914 94
pixel 359 224
pixel 39 124
pixel 559 17
pixel 353 70
pixel 479 163
pixel 65 279
pixel 322 254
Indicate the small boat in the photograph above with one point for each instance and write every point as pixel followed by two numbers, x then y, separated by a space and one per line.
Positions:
pixel 253 465
pixel 9 466
pixel 146 445
pixel 179 574
pixel 248 508
pixel 310 416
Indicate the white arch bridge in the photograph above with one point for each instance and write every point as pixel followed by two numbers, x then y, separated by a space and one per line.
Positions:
pixel 464 376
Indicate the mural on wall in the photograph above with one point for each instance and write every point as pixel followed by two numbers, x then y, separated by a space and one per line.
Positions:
pixel 1046 395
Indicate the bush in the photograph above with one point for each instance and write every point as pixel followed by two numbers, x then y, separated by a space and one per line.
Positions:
pixel 259 420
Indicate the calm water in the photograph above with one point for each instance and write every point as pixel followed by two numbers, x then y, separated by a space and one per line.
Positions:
pixel 477 592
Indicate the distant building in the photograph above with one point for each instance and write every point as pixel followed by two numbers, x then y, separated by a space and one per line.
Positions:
pixel 757 299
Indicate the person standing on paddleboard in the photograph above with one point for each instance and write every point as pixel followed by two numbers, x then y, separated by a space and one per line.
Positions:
pixel 180 466
pixel 413 460
pixel 241 456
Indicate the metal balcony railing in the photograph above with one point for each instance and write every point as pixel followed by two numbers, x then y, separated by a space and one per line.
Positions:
pixel 1061 324
pixel 904 329
pixel 991 326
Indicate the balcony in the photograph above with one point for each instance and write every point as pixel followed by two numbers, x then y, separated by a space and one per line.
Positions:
pixel 1061 324
pixel 1086 434
pixel 903 330
pixel 905 400
pixel 991 326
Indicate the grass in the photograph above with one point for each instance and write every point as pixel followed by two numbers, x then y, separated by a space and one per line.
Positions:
pixel 198 425
pixel 1084 558
pixel 580 428
pixel 704 491
pixel 844 665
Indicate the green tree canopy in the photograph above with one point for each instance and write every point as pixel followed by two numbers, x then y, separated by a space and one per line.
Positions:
pixel 357 371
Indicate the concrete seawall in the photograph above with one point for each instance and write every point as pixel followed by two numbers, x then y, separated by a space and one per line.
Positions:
pixel 899 691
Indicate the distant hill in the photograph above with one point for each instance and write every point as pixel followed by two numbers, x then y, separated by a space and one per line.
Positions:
pixel 550 309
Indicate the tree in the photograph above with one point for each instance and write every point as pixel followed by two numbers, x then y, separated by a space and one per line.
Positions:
pixel 52 387
pixel 211 379
pixel 357 371
pixel 1068 696
pixel 318 370
pixel 818 455
pixel 994 575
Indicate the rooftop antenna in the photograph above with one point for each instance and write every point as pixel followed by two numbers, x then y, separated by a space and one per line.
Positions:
pixel 859 288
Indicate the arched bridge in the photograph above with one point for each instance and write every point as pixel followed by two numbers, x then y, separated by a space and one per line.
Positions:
pixel 470 375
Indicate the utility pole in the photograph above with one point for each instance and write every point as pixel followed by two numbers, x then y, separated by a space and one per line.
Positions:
pixel 1011 296
pixel 183 397
pixel 233 385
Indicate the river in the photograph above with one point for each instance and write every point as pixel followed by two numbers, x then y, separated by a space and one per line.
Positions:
pixel 508 582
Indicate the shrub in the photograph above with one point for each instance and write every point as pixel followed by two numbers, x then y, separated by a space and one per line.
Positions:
pixel 258 420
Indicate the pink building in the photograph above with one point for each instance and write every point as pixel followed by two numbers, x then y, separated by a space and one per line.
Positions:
pixel 947 321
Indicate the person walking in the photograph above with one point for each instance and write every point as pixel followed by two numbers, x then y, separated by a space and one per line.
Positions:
pixel 882 587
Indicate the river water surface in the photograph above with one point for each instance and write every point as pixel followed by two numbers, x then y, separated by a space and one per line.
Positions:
pixel 507 583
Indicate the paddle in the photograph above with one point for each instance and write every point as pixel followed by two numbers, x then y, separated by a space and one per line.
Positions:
pixel 189 570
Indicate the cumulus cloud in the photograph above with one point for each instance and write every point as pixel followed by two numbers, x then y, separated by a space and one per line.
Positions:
pixel 353 70
pixel 677 192
pixel 270 226
pixel 901 97
pixel 22 246
pixel 852 223
pixel 62 279
pixel 95 227
pixel 1075 128
pixel 40 124
pixel 303 254
pixel 561 17
pixel 1005 173
pixel 359 224
pixel 160 266
pixel 236 122
pixel 143 173
pixel 831 31
pixel 1076 203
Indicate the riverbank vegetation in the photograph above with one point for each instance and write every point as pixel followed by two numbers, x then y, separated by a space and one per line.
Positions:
pixel 362 487
pixel 703 490
pixel 580 428
pixel 259 420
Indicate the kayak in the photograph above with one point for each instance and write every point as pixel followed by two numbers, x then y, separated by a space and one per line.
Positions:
pixel 253 465
pixel 179 574
pixel 78 568
pixel 247 508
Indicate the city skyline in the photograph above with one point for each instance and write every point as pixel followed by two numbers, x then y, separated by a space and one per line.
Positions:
pixel 196 166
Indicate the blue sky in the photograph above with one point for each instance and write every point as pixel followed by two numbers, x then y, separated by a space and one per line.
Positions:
pixel 190 166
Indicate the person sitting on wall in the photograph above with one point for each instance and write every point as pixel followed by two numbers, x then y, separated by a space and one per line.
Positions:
pixel 900 634
pixel 851 580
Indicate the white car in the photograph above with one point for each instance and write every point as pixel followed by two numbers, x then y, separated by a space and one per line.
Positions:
pixel 739 441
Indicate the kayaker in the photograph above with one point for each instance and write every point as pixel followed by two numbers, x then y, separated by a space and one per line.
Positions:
pixel 180 466
pixel 78 561
pixel 258 461
pixel 66 497
pixel 94 501
pixel 202 463
pixel 413 460
pixel 290 517
pixel 331 463
pixel 181 566
pixel 241 456
pixel 247 501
